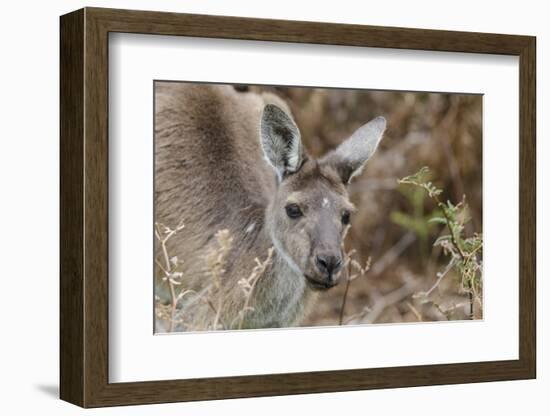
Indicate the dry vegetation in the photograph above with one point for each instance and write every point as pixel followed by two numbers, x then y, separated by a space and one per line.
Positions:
pixel 176 314
pixel 414 248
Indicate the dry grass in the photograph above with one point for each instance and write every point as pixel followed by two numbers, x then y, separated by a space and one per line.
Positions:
pixel 174 315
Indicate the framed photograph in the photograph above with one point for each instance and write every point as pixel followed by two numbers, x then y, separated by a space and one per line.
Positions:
pixel 262 207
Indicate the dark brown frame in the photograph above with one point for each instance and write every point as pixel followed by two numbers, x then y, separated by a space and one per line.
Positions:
pixel 84 208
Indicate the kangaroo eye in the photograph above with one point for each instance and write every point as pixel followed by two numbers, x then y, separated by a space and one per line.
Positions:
pixel 345 218
pixel 293 211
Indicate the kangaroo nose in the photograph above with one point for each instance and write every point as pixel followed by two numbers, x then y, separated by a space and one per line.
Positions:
pixel 328 264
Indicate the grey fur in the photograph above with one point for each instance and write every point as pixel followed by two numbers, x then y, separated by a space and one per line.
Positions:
pixel 211 143
pixel 280 140
pixel 350 157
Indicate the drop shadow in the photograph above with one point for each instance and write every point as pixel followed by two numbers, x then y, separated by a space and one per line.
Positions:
pixel 51 390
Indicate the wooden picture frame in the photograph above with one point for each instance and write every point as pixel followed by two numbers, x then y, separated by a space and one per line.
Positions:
pixel 84 207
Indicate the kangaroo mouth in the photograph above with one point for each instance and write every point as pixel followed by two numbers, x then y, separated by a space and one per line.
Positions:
pixel 319 285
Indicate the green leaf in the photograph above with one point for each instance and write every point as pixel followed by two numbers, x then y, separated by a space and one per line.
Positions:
pixel 443 238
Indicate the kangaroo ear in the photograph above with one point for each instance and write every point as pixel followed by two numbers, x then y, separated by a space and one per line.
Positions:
pixel 280 139
pixel 350 156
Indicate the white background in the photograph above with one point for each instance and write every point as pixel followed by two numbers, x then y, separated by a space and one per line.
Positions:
pixel 29 209
pixel 135 355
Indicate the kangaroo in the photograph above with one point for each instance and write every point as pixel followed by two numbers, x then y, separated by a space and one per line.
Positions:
pixel 234 160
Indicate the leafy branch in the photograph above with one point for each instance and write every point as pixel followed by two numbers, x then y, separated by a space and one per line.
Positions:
pixel 462 250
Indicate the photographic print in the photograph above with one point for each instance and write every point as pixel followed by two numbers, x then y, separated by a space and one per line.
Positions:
pixel 284 206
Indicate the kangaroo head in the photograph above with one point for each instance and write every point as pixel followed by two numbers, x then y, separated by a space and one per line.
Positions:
pixel 310 210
